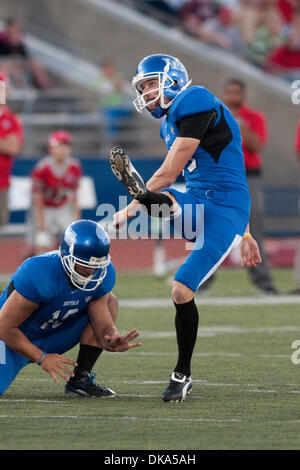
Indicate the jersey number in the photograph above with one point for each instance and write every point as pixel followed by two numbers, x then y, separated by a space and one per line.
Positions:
pixel 54 318
pixel 192 166
pixel 2 352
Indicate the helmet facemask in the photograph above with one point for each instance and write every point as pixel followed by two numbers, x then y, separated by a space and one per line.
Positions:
pixel 167 87
pixel 163 78
pixel 99 266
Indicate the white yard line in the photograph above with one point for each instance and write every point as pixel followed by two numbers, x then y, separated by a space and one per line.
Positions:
pixel 209 331
pixel 210 354
pixel 17 400
pixel 156 302
pixel 245 386
pixel 240 388
pixel 139 418
pixel 204 354
pixel 163 382
pixel 137 382
pixel 126 418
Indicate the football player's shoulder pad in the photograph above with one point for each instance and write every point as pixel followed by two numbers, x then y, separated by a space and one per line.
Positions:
pixel 108 282
pixel 37 278
pixel 193 100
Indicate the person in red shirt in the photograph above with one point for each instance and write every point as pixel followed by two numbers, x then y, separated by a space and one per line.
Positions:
pixel 55 180
pixel 287 9
pixel 297 141
pixel 254 136
pixel 11 141
pixel 285 59
pixel 296 290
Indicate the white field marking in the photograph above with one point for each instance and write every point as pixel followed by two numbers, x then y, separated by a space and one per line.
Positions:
pixel 148 396
pixel 206 383
pixel 163 382
pixel 33 400
pixel 30 379
pixel 175 354
pixel 280 356
pixel 8 400
pixel 160 382
pixel 145 382
pixel 210 331
pixel 138 418
pixel 256 390
pixel 210 354
pixel 128 395
pixel 157 302
pixel 128 418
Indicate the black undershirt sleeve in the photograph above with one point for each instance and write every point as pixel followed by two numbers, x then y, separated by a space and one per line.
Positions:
pixel 10 289
pixel 195 125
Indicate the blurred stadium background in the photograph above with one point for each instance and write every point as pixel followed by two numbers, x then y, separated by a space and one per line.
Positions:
pixel 69 38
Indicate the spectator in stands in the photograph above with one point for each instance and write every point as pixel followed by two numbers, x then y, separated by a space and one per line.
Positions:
pixel 170 7
pixel 17 61
pixel 287 9
pixel 267 36
pixel 264 32
pixel 55 181
pixel 11 141
pixel 194 13
pixel 113 102
pixel 297 142
pixel 286 59
pixel 245 15
pixel 254 134
pixel 296 290
pixel 222 31
pixel 231 4
pixel 175 5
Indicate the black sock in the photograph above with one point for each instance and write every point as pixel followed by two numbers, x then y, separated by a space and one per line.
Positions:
pixel 86 359
pixel 186 322
pixel 157 204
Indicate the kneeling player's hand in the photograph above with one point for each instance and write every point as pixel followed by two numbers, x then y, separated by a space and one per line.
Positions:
pixel 250 253
pixel 120 343
pixel 54 364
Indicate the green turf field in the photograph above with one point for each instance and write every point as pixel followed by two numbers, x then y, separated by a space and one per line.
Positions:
pixel 246 392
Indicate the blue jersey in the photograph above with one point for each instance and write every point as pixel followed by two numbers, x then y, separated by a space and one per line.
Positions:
pixel 218 162
pixel 42 280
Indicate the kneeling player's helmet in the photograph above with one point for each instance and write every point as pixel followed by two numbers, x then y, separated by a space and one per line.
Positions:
pixel 85 243
pixel 172 80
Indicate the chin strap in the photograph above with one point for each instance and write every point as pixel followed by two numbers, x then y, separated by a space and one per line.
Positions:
pixel 161 111
pixel 158 112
